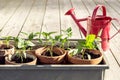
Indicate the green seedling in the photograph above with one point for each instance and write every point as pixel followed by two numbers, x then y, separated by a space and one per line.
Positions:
pixel 7 40
pixel 23 44
pixel 85 44
pixel 30 37
pixel 66 35
pixel 49 39
pixel 47 36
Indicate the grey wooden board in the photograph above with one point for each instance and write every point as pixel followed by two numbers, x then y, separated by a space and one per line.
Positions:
pixel 13 27
pixel 51 21
pixel 7 10
pixel 34 21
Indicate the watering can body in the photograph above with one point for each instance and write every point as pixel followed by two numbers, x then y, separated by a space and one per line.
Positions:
pixel 101 28
pixel 98 25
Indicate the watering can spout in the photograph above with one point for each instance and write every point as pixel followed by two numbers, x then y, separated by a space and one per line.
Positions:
pixel 70 12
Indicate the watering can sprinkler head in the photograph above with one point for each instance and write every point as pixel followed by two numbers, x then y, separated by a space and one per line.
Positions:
pixel 69 11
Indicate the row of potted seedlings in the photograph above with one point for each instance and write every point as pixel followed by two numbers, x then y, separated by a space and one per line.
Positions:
pixel 52 50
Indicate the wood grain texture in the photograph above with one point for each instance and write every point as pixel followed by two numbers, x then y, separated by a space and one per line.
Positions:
pixel 34 21
pixel 51 21
pixel 15 23
pixel 7 10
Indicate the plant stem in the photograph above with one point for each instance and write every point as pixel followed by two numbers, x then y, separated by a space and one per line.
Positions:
pixel 83 52
pixel 51 53
pixel 68 43
pixel 7 44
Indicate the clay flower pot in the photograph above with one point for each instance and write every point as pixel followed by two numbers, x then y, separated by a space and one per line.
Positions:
pixel 59 58
pixel 29 53
pixel 2 56
pixel 94 61
pixel 9 49
pixel 4 51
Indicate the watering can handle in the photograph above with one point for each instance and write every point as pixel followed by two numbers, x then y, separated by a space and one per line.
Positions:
pixel 96 9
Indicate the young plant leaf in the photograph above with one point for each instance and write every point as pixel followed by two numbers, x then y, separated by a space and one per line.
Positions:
pixel 90 41
pixel 29 43
pixel 32 35
pixel 73 52
pixel 7 40
pixel 24 33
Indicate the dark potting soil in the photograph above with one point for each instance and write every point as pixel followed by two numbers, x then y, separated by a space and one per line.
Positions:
pixel 48 54
pixel 5 47
pixel 93 56
pixel 2 59
pixel 17 59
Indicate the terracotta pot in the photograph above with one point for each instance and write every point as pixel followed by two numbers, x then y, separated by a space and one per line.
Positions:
pixel 50 59
pixel 86 61
pixel 7 61
pixel 4 52
pixel 2 57
pixel 9 50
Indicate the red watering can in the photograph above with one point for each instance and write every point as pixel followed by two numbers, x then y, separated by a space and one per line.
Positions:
pixel 95 25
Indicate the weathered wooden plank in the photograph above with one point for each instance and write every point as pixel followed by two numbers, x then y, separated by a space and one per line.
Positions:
pixel 14 25
pixel 114 4
pixel 80 9
pixel 113 72
pixel 90 5
pixel 114 44
pixel 7 9
pixel 81 12
pixel 51 19
pixel 35 19
pixel 66 21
